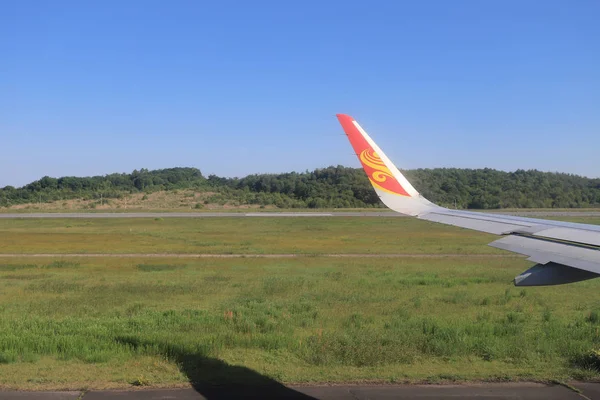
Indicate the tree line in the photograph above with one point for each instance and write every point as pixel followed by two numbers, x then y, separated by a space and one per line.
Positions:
pixel 331 187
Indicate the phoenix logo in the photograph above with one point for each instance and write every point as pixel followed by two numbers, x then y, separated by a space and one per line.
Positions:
pixel 379 174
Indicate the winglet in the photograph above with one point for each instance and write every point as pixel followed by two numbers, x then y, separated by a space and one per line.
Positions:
pixel 393 188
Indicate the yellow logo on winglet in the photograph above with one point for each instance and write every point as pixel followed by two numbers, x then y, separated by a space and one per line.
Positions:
pixel 379 174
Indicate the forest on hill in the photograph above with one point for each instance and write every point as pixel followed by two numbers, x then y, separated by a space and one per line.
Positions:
pixel 331 187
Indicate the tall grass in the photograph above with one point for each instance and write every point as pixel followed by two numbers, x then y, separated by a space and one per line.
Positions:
pixel 309 319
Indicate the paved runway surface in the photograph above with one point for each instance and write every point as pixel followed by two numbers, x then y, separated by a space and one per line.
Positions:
pixel 532 214
pixel 512 391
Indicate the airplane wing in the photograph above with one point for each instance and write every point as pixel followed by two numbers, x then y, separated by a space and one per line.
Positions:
pixel 564 252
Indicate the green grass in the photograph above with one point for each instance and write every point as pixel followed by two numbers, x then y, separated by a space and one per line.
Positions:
pixel 106 322
pixel 315 235
pixel 77 323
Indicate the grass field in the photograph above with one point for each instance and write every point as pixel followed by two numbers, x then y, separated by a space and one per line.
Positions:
pixel 320 235
pixel 247 235
pixel 139 321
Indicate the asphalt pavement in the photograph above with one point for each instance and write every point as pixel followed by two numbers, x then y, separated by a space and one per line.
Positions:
pixel 485 391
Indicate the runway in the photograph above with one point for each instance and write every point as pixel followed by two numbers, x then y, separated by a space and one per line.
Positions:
pixel 386 214
pixel 483 391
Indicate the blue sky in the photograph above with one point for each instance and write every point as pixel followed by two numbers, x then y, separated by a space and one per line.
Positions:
pixel 237 87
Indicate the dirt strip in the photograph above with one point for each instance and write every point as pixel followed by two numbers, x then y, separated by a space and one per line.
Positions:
pixel 290 255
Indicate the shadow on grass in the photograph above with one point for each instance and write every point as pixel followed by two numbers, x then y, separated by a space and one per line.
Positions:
pixel 213 378
pixel 589 361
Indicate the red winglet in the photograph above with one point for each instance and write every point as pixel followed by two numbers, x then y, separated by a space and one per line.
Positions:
pixel 379 174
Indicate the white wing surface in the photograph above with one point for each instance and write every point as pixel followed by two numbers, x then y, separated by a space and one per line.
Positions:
pixel 564 252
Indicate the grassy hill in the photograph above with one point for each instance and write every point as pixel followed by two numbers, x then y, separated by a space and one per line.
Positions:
pixel 332 187
pixel 164 200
